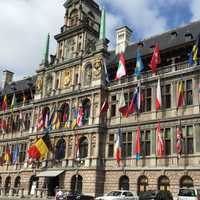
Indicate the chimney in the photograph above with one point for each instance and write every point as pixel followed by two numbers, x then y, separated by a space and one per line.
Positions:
pixel 7 77
pixel 123 39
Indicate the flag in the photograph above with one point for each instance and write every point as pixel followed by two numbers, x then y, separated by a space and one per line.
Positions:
pixel 195 53
pixel 155 60
pixel 122 105
pixel 131 108
pixel 21 119
pixel 106 71
pixel 40 148
pixel 4 125
pixel 67 120
pixel 102 35
pixel 51 117
pixel 80 116
pixel 4 103
pixel 105 106
pixel 137 98
pixel 139 64
pixel 137 145
pixel 158 96
pixel 77 148
pixel 40 121
pixel 118 147
pixel 121 71
pixel 13 103
pixel 179 140
pixel 180 94
pixel 74 118
pixel 15 154
pixel 159 142
pixel 7 154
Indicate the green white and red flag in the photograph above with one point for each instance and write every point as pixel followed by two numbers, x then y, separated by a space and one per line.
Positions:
pixel 121 71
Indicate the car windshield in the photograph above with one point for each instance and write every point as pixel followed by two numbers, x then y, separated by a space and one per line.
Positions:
pixel 114 193
pixel 187 192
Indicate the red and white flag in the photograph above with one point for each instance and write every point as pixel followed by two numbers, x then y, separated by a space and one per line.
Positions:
pixel 179 140
pixel 80 117
pixel 121 71
pixel 40 121
pixel 123 108
pixel 155 60
pixel 77 148
pixel 158 96
pixel 105 106
pixel 159 142
pixel 118 147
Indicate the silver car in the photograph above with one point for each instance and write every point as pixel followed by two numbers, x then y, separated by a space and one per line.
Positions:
pixel 119 195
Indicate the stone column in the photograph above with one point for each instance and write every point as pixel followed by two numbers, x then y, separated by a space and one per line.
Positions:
pixel 91 118
pixel 196 138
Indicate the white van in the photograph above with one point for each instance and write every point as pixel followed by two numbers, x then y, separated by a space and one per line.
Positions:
pixel 189 194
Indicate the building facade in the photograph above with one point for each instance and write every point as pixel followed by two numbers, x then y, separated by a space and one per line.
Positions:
pixel 76 78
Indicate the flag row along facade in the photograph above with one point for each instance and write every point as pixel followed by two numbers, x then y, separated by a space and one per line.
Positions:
pixel 74 100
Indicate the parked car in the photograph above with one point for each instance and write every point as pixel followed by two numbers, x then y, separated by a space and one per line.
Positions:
pixel 119 195
pixel 74 196
pixel 155 195
pixel 189 194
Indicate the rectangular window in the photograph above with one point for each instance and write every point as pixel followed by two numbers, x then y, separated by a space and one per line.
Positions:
pixel 127 144
pixel 22 152
pixel 146 142
pixel 188 93
pixel 146 100
pixel 113 106
pixel 167 141
pixel 188 140
pixel 111 145
pixel 166 96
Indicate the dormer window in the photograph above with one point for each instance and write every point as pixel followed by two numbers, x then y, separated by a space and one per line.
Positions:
pixel 74 18
pixel 188 36
pixel 174 34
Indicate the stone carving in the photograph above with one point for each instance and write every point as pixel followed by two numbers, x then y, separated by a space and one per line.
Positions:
pixel 97 67
pixel 39 84
pixel 67 78
pixel 49 84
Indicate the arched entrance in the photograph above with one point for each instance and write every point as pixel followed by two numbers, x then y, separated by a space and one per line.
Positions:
pixel 124 183
pixel 142 184
pixel 186 181
pixel 60 149
pixel 7 184
pixel 86 111
pixel 33 184
pixel 163 183
pixel 76 183
pixel 17 184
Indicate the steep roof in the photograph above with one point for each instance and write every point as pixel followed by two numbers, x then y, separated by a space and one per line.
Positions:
pixel 168 40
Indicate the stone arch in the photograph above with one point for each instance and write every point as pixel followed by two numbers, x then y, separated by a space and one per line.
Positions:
pixel 86 105
pixel 163 183
pixel 186 181
pixel 60 149
pixel 77 183
pixel 33 184
pixel 83 142
pixel 88 74
pixel 142 184
pixel 124 183
pixel 7 184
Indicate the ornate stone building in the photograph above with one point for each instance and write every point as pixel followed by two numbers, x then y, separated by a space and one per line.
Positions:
pixel 75 77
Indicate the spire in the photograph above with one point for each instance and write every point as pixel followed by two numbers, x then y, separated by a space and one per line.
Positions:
pixel 103 25
pixel 46 53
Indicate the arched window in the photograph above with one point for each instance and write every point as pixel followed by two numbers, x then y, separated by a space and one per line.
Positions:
pixel 142 184
pixel 74 18
pixel 88 74
pixel 186 181
pixel 163 183
pixel 83 147
pixel 17 184
pixel 64 114
pixel 86 110
pixel 124 183
pixel 60 149
pixel 33 184
pixel 0 181
pixel 77 183
pixel 7 184
pixel 27 121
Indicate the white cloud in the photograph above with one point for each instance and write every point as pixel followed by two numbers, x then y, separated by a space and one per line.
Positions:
pixel 195 5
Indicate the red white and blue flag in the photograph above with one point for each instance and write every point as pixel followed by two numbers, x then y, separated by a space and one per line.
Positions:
pixel 137 98
pixel 80 117
pixel 118 147
pixel 137 145
pixel 121 71
pixel 179 140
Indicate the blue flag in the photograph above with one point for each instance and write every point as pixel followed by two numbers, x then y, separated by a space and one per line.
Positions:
pixel 15 154
pixel 137 98
pixel 139 64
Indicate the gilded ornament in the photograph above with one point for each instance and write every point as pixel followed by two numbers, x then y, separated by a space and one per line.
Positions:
pixel 67 78
pixel 97 67
pixel 39 84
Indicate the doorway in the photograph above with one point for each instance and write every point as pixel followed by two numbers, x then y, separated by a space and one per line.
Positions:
pixel 52 184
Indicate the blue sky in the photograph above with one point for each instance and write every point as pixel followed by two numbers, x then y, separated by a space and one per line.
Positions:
pixel 25 24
